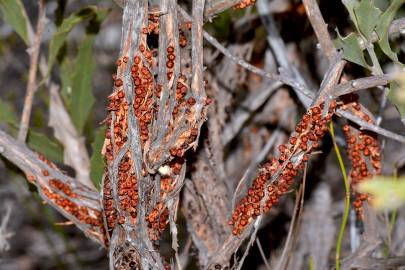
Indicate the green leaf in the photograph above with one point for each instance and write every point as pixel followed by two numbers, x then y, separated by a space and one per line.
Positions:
pixel 367 17
pixel 381 4
pixel 351 5
pixel 15 15
pixel 97 159
pixel 59 37
pixel 387 193
pixel 7 113
pixel 44 145
pixel 351 49
pixel 82 98
pixel 66 76
pixel 383 27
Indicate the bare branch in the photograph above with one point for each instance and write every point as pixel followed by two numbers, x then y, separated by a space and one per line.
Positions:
pixel 32 75
pixel 72 199
pixel 365 125
pixel 320 28
pixel 197 83
pixel 213 7
pixel 360 84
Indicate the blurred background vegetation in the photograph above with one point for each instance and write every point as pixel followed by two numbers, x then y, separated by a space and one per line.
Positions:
pixel 79 46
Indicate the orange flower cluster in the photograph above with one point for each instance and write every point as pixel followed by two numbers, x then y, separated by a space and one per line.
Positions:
pixel 363 150
pixel 306 138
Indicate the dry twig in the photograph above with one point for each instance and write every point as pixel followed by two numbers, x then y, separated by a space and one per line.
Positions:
pixel 32 75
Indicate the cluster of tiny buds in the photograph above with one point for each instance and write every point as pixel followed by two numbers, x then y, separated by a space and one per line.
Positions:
pixel 364 153
pixel 79 212
pixel 110 212
pixel 170 61
pixel 158 217
pixel 153 25
pixel 144 90
pixel 61 193
pixel 157 221
pixel 127 193
pixel 244 3
pixel 120 125
pixel 182 34
pixel 127 190
pixel 261 196
pixel 146 93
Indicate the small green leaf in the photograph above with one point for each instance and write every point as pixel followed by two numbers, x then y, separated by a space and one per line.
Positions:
pixel 387 193
pixel 97 159
pixel 351 5
pixel 82 98
pixel 15 15
pixel 351 49
pixel 7 113
pixel 367 17
pixel 383 25
pixel 64 29
pixel 44 145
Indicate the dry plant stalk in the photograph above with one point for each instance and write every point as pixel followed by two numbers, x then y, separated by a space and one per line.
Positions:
pixel 72 199
pixel 281 172
pixel 156 111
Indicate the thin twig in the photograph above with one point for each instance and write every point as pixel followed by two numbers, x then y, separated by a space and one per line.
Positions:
pixel 280 51
pixel 278 77
pixel 4 234
pixel 259 246
pixel 320 27
pixel 365 125
pixel 32 75
pixel 360 84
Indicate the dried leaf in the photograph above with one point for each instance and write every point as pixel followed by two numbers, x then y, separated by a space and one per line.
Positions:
pixel 75 153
